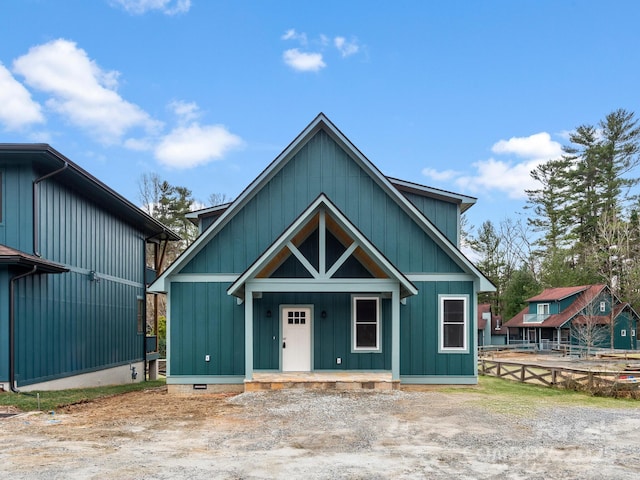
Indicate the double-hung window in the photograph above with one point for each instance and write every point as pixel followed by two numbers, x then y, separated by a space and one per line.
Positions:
pixel 454 323
pixel 366 324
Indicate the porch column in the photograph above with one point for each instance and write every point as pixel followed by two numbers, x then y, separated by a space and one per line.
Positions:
pixel 248 332
pixel 395 332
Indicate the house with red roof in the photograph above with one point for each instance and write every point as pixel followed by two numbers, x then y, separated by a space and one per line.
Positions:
pixel 491 330
pixel 581 315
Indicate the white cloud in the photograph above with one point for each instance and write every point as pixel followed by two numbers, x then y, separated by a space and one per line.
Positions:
pixel 18 108
pixel 538 145
pixel 291 34
pixel 81 91
pixel 345 47
pixel 168 7
pixel 185 111
pixel 302 61
pixel 510 175
pixel 195 145
pixel 502 176
pixel 443 175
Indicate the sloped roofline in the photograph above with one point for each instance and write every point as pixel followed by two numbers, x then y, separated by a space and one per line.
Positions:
pixel 152 227
pixel 280 242
pixel 321 122
pixel 558 293
pixel 464 201
pixel 11 256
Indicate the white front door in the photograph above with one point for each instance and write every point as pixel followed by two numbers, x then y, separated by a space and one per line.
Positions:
pixel 296 339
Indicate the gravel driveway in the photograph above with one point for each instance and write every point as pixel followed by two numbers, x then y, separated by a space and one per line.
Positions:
pixel 317 435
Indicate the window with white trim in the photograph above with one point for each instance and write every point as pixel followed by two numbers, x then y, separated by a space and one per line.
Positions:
pixel 453 323
pixel 623 333
pixel 543 309
pixel 603 306
pixel 366 324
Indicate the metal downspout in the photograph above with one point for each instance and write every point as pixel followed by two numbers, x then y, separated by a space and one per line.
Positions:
pixel 12 363
pixel 36 210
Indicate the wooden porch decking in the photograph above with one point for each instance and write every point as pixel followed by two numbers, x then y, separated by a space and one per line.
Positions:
pixel 321 381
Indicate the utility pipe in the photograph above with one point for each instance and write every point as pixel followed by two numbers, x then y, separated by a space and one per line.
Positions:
pixel 12 321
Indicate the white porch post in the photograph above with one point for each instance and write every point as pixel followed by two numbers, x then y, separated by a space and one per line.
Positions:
pixel 248 332
pixel 395 332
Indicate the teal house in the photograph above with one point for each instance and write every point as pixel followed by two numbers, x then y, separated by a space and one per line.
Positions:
pixel 72 275
pixel 586 315
pixel 324 267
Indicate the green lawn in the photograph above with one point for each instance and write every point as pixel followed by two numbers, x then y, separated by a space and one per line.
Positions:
pixel 50 400
pixel 512 397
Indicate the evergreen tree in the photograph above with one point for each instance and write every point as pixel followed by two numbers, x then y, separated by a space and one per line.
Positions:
pixel 522 286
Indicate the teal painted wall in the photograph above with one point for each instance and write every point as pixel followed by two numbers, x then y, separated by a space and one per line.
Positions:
pixel 205 321
pixel 76 232
pixel 4 324
pixel 65 323
pixel 321 166
pixel 444 215
pixel 17 198
pixel 332 336
pixel 419 333
pixel 625 323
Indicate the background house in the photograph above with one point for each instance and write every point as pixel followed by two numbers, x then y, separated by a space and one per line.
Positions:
pixel 576 315
pixel 72 274
pixel 491 331
pixel 323 264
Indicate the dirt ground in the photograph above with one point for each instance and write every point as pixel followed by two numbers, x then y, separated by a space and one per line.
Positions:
pixel 316 435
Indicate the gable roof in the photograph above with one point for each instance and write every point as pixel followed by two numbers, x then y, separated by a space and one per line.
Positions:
pixel 557 293
pixel 556 320
pixel 11 256
pixel 406 287
pixel 464 201
pixel 321 122
pixel 48 159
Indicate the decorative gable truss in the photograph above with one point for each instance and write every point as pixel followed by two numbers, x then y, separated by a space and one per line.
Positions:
pixel 322 251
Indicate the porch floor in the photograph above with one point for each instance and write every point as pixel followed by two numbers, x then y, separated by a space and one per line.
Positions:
pixel 321 381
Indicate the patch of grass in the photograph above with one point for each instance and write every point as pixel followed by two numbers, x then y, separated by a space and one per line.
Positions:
pixel 507 396
pixel 50 400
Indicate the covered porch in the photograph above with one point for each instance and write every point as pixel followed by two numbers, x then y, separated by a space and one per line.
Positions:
pixel 322 254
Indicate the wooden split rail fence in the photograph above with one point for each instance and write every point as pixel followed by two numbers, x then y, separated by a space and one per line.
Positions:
pixel 607 382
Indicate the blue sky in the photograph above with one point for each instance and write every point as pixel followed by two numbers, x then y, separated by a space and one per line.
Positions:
pixel 466 96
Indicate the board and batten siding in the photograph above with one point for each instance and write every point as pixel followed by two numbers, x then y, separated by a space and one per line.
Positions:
pixel 419 333
pixel 321 166
pixel 67 323
pixel 331 336
pixel 444 215
pixel 205 321
pixel 16 227
pixel 4 324
pixel 75 232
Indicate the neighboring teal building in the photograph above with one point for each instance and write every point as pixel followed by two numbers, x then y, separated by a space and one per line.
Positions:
pixel 323 264
pixel 580 315
pixel 72 274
